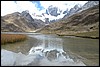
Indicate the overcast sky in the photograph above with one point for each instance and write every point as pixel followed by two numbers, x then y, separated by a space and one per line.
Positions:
pixel 37 7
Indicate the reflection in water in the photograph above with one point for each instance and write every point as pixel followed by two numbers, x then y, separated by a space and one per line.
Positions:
pixel 47 51
pixel 51 49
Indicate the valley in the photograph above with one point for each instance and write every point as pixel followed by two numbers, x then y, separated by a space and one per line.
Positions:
pixel 52 36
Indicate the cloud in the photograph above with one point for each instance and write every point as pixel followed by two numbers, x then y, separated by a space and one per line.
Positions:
pixel 37 7
pixel 8 7
pixel 27 5
pixel 63 5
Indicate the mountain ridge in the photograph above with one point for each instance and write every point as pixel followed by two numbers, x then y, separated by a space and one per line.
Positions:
pixel 20 22
pixel 85 21
pixel 24 22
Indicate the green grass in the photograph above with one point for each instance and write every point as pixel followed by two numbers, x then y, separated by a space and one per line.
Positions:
pixel 92 34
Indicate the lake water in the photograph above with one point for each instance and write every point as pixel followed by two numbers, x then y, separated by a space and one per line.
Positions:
pixel 57 51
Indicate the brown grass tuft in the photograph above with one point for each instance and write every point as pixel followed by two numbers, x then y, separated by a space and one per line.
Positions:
pixel 11 38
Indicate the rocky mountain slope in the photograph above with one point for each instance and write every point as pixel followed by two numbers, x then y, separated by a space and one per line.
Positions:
pixel 78 8
pixel 20 22
pixel 90 4
pixel 74 19
pixel 85 21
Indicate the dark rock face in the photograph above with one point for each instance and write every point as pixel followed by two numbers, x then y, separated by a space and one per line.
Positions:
pixel 46 20
pixel 90 4
pixel 37 23
pixel 52 11
pixel 26 15
pixel 72 11
pixel 66 11
pixel 47 12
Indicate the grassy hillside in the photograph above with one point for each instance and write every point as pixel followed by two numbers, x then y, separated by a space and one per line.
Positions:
pixel 92 34
pixel 77 24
